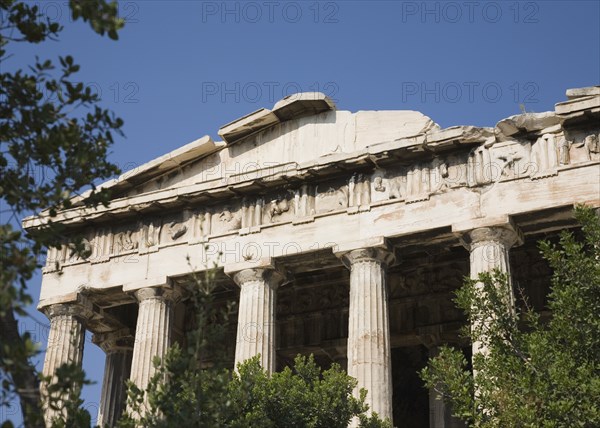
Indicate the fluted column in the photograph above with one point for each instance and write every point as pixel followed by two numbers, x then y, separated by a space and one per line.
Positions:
pixel 489 247
pixel 153 331
pixel 118 347
pixel 369 351
pixel 437 408
pixel 256 316
pixel 65 345
pixel 440 413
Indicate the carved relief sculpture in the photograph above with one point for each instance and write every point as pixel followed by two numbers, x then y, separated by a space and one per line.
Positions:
pixel 352 191
pixel 226 220
pixel 379 187
pixel 395 191
pixel 152 233
pixel 177 230
pixel 563 151
pixel 225 216
pixel 592 144
pixel 585 150
pixel 126 241
pixel 510 160
pixel 205 224
pixel 277 207
pixel 332 199
pixel 86 251
pixel 378 184
pixel 439 176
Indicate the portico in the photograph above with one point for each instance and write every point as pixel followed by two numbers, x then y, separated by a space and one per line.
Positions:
pixel 339 234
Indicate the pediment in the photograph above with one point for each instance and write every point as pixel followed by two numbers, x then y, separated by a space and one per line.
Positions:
pixel 325 136
pixel 299 130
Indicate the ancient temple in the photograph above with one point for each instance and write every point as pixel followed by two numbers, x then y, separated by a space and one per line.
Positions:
pixel 339 234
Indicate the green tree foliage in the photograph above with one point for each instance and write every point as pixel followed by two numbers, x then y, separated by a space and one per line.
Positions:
pixel 536 374
pixel 54 139
pixel 302 396
pixel 192 389
pixel 63 393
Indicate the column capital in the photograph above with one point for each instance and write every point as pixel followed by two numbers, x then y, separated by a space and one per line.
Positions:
pixel 273 277
pixel 114 341
pixel 377 249
pixel 80 308
pixel 166 293
pixel 507 233
pixel 507 236
pixel 267 270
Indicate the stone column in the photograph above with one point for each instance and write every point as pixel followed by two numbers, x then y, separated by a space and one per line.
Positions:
pixel 489 248
pixel 118 347
pixel 65 344
pixel 256 316
pixel 369 351
pixel 440 413
pixel 437 408
pixel 153 331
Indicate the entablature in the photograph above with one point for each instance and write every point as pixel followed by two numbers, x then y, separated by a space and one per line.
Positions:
pixel 397 189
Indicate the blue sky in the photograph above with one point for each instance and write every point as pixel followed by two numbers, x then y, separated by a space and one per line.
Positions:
pixel 182 69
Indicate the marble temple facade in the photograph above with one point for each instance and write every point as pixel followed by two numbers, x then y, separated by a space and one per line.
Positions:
pixel 339 234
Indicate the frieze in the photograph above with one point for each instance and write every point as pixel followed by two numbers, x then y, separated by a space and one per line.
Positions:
pixel 331 199
pixel 405 182
pixel 512 160
pixel 126 240
pixel 173 227
pixel 591 144
pixel 227 220
pixel 176 229
pixel 584 148
pixel 277 209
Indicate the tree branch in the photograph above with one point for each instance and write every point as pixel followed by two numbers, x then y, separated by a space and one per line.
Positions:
pixel 22 371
